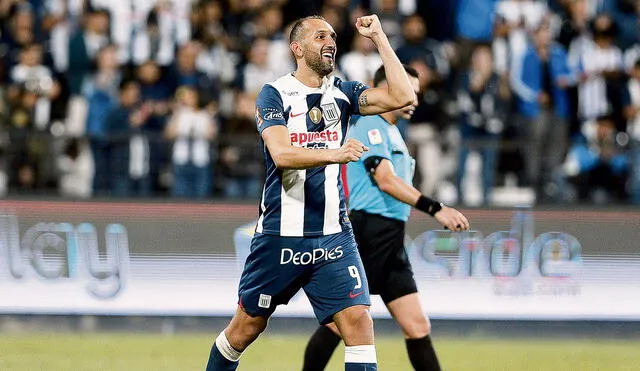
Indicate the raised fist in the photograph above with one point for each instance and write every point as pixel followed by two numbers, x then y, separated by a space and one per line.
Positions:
pixel 369 26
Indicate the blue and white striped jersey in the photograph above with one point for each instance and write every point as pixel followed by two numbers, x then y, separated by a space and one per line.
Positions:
pixel 307 202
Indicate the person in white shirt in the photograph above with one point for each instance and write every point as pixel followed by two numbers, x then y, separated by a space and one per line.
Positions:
pixel 75 168
pixel 362 61
pixel 192 130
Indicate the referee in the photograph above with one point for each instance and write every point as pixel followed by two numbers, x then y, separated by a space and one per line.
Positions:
pixel 380 201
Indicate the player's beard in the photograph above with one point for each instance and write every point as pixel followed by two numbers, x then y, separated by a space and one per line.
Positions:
pixel 316 62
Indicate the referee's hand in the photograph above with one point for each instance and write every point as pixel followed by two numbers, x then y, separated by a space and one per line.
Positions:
pixel 351 150
pixel 452 219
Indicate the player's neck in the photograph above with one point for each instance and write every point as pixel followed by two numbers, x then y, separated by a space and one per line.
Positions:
pixel 389 117
pixel 308 77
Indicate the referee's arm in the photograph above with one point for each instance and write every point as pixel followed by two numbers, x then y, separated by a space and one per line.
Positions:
pixel 391 184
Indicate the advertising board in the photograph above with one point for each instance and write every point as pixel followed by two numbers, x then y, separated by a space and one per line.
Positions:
pixel 186 259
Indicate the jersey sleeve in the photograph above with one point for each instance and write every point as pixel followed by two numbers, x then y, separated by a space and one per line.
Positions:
pixel 269 109
pixel 372 135
pixel 352 89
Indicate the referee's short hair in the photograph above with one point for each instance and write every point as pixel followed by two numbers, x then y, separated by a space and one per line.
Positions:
pixel 381 76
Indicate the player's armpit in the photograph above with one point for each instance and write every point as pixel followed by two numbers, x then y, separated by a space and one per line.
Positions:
pixel 379 100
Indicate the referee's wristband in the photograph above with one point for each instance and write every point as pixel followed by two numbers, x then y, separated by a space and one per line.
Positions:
pixel 428 205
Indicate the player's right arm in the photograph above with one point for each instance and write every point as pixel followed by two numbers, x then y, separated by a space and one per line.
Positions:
pixel 393 185
pixel 286 156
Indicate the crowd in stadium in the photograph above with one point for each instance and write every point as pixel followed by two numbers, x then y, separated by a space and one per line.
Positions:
pixel 141 98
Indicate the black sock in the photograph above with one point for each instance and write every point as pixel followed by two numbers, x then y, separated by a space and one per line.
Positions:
pixel 422 355
pixel 319 349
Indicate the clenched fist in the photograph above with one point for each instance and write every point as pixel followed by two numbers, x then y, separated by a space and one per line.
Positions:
pixel 350 151
pixel 369 26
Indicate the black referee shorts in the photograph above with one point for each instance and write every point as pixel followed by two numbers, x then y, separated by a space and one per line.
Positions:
pixel 381 245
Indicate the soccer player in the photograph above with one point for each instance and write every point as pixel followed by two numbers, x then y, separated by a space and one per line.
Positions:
pixel 380 200
pixel 303 236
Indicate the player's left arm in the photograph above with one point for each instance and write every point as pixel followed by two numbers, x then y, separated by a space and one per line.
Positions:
pixel 398 93
pixel 391 184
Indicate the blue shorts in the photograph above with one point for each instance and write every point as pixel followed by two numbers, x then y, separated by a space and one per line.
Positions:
pixel 328 268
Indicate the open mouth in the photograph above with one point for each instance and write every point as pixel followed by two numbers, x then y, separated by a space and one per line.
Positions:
pixel 329 53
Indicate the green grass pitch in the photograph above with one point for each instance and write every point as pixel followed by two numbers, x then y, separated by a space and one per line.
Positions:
pixel 80 352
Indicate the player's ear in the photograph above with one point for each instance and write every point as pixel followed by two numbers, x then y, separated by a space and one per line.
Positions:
pixel 296 49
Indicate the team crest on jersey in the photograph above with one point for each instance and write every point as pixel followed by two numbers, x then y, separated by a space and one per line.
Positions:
pixel 330 113
pixel 259 119
pixel 315 115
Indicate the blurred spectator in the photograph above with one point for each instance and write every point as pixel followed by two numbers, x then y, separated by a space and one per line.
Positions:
pixel 75 168
pixel 151 153
pixel 101 93
pixel 574 22
pixel 129 17
pixel 520 17
pixel 214 59
pixel 625 14
pixel 192 131
pixel 240 153
pixel 416 45
pixel 632 114
pixel 84 46
pixel 256 72
pixel 426 126
pixel 483 113
pixel 391 20
pixel 16 32
pixel 540 79
pixel 269 25
pixel 597 165
pixel 501 48
pixel 362 61
pixel 62 21
pixel 129 160
pixel 153 42
pixel 83 49
pixel 184 73
pixel 22 152
pixel 631 56
pixel 475 25
pixel 37 78
pixel 600 65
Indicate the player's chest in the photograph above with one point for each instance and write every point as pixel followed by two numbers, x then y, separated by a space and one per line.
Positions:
pixel 316 120
pixel 315 111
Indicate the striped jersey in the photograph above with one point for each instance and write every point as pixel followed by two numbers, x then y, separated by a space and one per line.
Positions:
pixel 307 202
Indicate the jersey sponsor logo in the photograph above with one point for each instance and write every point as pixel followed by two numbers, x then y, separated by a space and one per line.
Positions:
pixel 374 136
pixel 264 301
pixel 297 114
pixel 315 115
pixel 310 257
pixel 301 139
pixel 273 115
pixel 353 295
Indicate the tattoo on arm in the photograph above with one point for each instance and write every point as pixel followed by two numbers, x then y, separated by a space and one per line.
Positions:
pixel 362 101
